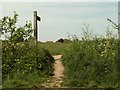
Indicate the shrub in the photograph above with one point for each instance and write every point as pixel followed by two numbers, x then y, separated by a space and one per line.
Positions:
pixel 25 58
pixel 91 63
pixel 22 56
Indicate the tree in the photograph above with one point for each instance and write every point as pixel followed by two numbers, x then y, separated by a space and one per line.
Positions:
pixel 11 32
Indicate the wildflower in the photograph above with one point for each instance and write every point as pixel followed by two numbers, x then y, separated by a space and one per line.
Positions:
pixel 113 54
pixel 102 55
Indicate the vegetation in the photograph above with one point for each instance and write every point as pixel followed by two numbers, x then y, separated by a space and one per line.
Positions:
pixel 55 48
pixel 13 33
pixel 24 63
pixel 92 62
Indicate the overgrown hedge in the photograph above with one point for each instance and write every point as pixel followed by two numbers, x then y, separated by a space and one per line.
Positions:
pixel 23 60
pixel 92 63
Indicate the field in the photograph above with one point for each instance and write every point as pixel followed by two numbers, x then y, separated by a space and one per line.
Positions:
pixel 56 47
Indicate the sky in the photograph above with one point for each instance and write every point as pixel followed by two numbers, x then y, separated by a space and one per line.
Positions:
pixel 62 18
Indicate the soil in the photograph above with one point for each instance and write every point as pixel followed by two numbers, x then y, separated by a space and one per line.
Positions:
pixel 56 79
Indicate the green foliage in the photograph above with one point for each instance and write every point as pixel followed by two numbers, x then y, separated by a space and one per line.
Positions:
pixel 13 33
pixel 22 80
pixel 24 58
pixel 91 63
pixel 56 47
pixel 24 63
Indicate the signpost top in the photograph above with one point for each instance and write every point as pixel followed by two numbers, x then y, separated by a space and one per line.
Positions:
pixel 36 18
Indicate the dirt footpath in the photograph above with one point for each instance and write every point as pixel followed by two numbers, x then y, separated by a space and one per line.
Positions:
pixel 58 67
pixel 58 73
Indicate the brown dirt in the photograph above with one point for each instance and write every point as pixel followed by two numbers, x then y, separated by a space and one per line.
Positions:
pixel 56 80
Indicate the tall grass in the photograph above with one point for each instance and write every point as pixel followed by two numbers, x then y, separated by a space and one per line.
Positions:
pixel 92 63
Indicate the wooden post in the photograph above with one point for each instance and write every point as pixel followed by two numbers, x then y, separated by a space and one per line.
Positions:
pixel 119 20
pixel 35 25
pixel 36 31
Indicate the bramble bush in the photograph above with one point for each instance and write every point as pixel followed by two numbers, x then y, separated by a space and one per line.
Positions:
pixel 92 63
pixel 25 59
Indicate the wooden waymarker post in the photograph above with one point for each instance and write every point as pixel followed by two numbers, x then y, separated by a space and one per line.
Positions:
pixel 36 31
pixel 35 25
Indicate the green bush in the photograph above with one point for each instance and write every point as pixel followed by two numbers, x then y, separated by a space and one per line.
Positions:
pixel 23 61
pixel 91 63
pixel 24 58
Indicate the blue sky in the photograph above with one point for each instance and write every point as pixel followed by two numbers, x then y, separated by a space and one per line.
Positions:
pixel 61 18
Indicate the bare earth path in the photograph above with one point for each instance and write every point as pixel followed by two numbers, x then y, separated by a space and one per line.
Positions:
pixel 56 80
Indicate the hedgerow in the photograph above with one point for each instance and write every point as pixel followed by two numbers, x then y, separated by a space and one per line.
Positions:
pixel 25 58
